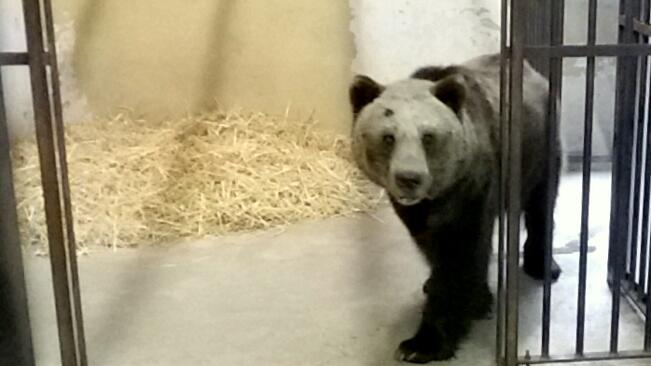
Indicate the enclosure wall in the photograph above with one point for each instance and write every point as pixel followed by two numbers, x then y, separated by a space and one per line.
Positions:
pixel 168 57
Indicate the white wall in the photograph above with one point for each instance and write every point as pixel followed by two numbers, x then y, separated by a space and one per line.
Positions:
pixel 395 37
pixel 12 31
pixel 16 83
pixel 15 79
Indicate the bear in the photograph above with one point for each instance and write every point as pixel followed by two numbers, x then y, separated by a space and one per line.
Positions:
pixel 432 142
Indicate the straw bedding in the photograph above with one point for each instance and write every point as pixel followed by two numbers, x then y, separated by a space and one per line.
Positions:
pixel 136 182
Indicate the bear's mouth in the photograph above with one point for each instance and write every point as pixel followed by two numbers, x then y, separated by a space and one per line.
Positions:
pixel 408 200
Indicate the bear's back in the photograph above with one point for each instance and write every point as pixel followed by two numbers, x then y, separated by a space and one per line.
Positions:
pixel 482 78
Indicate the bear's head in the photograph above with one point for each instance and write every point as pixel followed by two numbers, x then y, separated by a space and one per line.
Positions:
pixel 408 136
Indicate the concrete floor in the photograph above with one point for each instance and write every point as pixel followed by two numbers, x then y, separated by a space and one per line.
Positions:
pixel 343 291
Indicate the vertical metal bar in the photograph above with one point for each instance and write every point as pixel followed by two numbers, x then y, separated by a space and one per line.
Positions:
pixel 631 269
pixel 647 322
pixel 623 141
pixel 15 338
pixel 48 167
pixel 500 340
pixel 644 243
pixel 518 28
pixel 646 196
pixel 555 85
pixel 587 165
pixel 646 18
pixel 538 33
pixel 645 238
pixel 641 179
pixel 637 207
pixel 639 141
pixel 645 271
pixel 616 151
pixel 59 135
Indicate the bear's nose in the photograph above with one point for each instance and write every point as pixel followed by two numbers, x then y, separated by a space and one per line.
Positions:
pixel 408 180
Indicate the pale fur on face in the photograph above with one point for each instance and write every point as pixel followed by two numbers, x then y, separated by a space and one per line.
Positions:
pixel 408 111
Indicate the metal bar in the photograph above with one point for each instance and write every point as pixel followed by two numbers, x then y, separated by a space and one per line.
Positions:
pixel 48 167
pixel 500 328
pixel 601 50
pixel 623 139
pixel 20 58
pixel 644 244
pixel 65 186
pixel 518 27
pixel 642 27
pixel 635 302
pixel 588 357
pixel 642 12
pixel 538 24
pixel 638 26
pixel 16 338
pixel 587 165
pixel 14 58
pixel 555 86
pixel 646 18
pixel 614 273
pixel 637 181
pixel 647 322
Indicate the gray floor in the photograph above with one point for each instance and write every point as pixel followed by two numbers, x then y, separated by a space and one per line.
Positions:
pixel 343 291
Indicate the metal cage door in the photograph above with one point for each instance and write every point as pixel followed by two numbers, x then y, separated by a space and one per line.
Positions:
pixel 533 30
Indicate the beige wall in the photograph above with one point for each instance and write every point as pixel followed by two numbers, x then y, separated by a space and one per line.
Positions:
pixel 168 57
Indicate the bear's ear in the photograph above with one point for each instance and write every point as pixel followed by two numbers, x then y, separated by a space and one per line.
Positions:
pixel 434 73
pixel 451 91
pixel 363 90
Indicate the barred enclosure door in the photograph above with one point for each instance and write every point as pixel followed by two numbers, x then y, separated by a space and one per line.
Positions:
pixel 533 30
pixel 634 76
pixel 41 60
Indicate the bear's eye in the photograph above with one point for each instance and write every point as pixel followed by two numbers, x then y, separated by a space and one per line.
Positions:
pixel 388 139
pixel 428 138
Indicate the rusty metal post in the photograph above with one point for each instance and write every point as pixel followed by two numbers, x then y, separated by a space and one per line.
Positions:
pixel 15 340
pixel 55 190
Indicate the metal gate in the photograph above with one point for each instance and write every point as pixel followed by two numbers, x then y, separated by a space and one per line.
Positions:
pixel 637 275
pixel 41 60
pixel 533 30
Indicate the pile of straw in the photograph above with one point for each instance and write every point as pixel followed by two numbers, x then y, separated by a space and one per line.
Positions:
pixel 137 182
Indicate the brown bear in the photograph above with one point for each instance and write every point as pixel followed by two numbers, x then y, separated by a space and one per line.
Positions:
pixel 432 142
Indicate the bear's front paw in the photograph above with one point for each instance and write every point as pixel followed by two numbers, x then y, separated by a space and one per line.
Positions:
pixel 421 350
pixel 536 270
